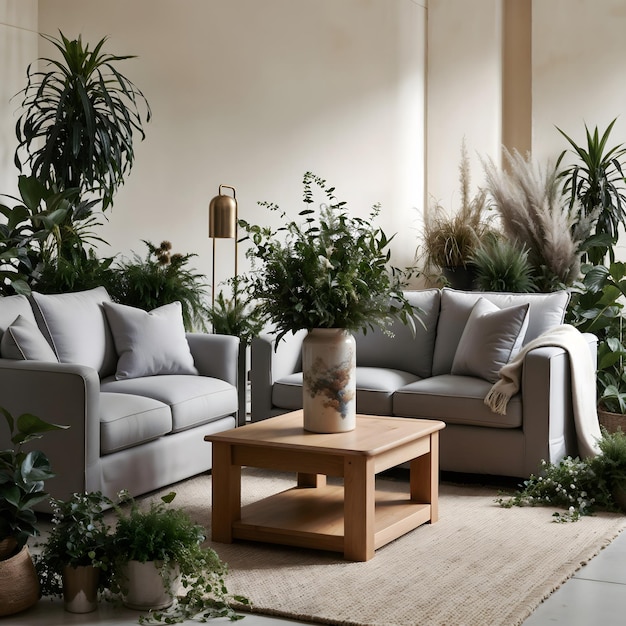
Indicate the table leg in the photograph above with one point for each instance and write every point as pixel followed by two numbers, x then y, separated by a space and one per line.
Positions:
pixel 424 478
pixel 226 490
pixel 359 508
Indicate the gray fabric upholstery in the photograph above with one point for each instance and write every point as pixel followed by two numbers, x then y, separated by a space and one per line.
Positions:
pixel 193 400
pixel 539 422
pixel 23 341
pixel 75 326
pixel 127 421
pixel 148 435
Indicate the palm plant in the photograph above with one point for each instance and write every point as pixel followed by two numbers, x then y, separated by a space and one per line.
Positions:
pixel 596 185
pixel 529 201
pixel 79 119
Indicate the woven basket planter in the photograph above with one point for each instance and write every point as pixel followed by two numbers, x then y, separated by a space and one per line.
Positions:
pixel 612 421
pixel 19 585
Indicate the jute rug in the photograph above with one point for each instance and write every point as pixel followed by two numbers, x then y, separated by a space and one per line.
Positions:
pixel 479 564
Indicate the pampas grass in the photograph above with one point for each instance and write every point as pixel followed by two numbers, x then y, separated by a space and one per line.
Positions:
pixel 530 203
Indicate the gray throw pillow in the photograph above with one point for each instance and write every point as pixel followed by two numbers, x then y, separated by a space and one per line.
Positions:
pixel 149 344
pixel 490 339
pixel 23 341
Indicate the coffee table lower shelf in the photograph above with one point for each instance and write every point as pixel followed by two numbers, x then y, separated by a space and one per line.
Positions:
pixel 313 517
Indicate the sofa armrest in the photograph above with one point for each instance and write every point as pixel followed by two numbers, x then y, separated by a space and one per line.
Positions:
pixel 270 362
pixel 548 420
pixel 60 393
pixel 215 355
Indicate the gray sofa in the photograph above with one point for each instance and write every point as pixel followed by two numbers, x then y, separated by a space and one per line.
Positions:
pixel 426 376
pixel 138 393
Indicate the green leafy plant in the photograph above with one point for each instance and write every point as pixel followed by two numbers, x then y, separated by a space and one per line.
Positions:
pixel 80 115
pixel 80 536
pixel 160 278
pixel 332 272
pixel 169 536
pixel 501 265
pixel 22 476
pixel 595 186
pixel 580 486
pixel 597 307
pixel 236 315
pixel 451 240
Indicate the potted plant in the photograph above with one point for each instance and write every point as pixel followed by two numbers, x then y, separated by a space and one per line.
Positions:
pixel 157 550
pixel 450 240
pixel 22 476
pixel 74 560
pixel 329 276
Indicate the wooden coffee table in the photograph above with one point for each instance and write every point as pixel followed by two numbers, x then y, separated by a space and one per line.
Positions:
pixel 356 517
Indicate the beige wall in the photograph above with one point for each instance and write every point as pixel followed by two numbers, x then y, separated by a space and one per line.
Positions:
pixel 18 47
pixel 253 94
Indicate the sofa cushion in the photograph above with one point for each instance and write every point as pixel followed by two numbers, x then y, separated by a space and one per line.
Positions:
pixel 127 421
pixel 23 341
pixel 149 343
pixel 193 400
pixel 546 311
pixel 11 307
pixel 403 351
pixel 491 338
pixel 75 326
pixel 455 400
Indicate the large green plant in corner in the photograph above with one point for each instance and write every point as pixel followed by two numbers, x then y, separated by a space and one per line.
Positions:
pixel 76 130
pixel 595 185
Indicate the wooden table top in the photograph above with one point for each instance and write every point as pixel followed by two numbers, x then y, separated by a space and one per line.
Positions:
pixel 373 434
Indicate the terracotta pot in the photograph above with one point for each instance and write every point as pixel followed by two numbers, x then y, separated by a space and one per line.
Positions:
pixel 329 380
pixel 146 588
pixel 80 588
pixel 19 585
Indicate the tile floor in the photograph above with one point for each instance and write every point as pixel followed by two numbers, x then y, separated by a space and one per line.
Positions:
pixel 596 595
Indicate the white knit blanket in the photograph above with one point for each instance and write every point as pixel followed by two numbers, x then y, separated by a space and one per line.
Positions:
pixel 583 377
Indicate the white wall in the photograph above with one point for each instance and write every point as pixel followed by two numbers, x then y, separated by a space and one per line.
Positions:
pixel 253 94
pixel 18 47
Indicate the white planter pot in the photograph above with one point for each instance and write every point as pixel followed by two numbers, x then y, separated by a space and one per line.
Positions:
pixel 329 380
pixel 146 588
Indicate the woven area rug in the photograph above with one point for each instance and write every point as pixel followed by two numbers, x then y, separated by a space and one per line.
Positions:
pixel 479 564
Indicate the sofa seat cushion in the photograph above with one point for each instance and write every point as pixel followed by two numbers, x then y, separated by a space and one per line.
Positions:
pixel 127 421
pixel 375 388
pixel 193 400
pixel 455 400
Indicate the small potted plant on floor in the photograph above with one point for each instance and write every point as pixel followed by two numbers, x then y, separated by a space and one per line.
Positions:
pixel 74 560
pixel 22 476
pixel 158 550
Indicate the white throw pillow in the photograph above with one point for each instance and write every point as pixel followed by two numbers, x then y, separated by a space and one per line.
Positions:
pixel 149 344
pixel 23 341
pixel 490 339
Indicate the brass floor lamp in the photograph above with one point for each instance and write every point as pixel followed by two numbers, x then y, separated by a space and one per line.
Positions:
pixel 223 217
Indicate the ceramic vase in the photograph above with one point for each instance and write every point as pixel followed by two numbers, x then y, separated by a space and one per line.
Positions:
pixel 19 585
pixel 80 588
pixel 146 588
pixel 329 380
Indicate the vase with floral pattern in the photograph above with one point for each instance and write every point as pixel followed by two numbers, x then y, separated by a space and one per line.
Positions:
pixel 329 380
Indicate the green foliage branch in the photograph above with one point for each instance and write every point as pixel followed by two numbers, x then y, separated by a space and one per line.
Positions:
pixel 333 272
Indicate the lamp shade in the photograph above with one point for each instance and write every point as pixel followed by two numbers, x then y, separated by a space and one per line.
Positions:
pixel 223 217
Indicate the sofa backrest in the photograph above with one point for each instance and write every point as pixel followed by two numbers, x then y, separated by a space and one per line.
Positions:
pixel 403 351
pixel 546 311
pixel 76 327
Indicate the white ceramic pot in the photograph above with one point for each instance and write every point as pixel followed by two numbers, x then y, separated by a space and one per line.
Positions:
pixel 146 588
pixel 329 380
